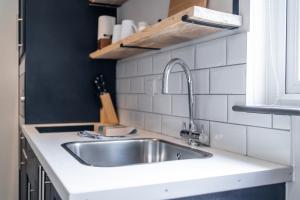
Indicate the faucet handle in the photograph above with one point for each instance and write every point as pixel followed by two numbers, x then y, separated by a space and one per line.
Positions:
pixel 184 131
pixel 184 126
pixel 204 137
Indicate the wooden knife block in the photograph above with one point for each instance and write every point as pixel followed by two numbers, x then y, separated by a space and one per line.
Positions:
pixel 108 113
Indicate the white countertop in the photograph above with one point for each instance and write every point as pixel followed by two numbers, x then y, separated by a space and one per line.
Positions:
pixel 75 181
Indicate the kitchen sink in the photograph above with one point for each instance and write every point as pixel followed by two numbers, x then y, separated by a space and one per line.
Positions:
pixel 115 153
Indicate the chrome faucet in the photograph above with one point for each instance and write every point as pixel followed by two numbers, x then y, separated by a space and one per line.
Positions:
pixel 191 133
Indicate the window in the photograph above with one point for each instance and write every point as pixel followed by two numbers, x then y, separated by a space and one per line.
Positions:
pixel 273 75
pixel 293 44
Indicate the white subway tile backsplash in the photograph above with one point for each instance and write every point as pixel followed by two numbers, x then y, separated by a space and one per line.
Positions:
pixel 145 66
pixel 124 117
pixel 130 69
pixel 211 107
pixel 137 85
pixel 157 86
pixel 228 137
pixel 228 80
pixel 121 101
pixel 211 54
pixel 145 103
pixel 172 125
pixel 162 104
pixel 269 144
pixel 123 85
pixel 282 122
pixel 120 70
pixel 175 83
pixel 253 119
pixel 180 105
pixel 150 84
pixel 237 49
pixel 187 54
pixel 137 119
pixel 153 122
pixel 131 101
pixel 160 61
pixel 200 82
pixel 219 77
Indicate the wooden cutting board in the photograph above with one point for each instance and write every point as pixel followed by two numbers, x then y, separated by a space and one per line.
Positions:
pixel 179 5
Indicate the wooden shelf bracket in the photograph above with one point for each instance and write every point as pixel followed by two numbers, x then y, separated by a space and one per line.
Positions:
pixel 106 3
pixel 103 5
pixel 138 47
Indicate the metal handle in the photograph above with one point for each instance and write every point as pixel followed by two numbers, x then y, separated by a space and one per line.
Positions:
pixel 43 185
pixel 24 154
pixel 29 190
pixel 40 182
pixel 19 39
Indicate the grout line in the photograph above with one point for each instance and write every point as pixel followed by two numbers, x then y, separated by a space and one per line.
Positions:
pixel 195 56
pixel 272 120
pixel 227 108
pixel 209 81
pixel 197 94
pixel 226 50
pixel 161 123
pixel 209 133
pixel 192 70
pixel 152 64
pixel 231 123
pixel 247 138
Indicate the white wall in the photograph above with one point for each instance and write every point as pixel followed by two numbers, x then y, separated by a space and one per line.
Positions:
pixel 8 101
pixel 152 10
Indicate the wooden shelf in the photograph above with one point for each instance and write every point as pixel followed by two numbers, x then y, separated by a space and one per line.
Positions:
pixel 114 3
pixel 192 23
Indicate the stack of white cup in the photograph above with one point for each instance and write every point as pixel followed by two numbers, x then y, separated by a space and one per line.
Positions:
pixel 127 28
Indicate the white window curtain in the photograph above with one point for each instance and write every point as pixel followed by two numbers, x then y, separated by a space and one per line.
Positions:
pixel 266 52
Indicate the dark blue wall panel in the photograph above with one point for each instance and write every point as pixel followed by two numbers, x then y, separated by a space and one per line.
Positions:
pixel 269 192
pixel 60 34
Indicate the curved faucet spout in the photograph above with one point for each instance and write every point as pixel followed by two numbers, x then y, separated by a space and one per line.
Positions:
pixel 165 87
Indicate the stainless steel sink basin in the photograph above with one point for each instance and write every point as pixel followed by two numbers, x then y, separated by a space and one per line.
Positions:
pixel 130 151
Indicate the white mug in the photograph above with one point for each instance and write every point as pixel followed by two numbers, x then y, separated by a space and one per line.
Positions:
pixel 117 33
pixel 128 28
pixel 105 26
pixel 142 25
